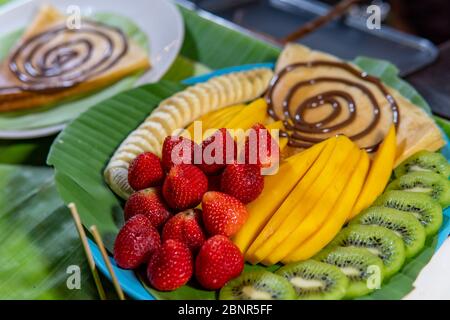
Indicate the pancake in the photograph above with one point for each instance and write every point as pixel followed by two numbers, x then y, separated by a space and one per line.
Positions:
pixel 52 62
pixel 324 97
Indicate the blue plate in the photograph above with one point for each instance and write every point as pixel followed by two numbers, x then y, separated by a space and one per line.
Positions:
pixel 128 280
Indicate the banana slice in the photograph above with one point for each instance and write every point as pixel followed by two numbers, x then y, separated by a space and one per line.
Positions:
pixel 177 112
pixel 173 113
pixel 166 120
pixel 203 97
pixel 213 94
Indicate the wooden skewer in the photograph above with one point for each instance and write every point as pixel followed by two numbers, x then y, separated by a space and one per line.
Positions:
pixel 338 10
pixel 87 250
pixel 99 241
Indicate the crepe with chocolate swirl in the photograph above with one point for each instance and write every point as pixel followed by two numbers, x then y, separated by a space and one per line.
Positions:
pixel 319 96
pixel 52 62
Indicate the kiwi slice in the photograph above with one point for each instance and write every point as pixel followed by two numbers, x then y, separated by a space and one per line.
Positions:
pixel 379 241
pixel 314 280
pixel 258 285
pixel 422 206
pixel 424 161
pixel 403 224
pixel 430 183
pixel 358 265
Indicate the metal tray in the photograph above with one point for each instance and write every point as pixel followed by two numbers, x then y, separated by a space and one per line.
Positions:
pixel 346 38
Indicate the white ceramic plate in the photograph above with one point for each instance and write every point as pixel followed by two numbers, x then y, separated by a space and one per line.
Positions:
pixel 159 19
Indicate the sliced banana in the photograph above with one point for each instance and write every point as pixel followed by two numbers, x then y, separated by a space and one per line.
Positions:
pixel 225 87
pixel 203 97
pixel 173 113
pixel 236 87
pixel 166 120
pixel 133 148
pixel 117 178
pixel 177 112
pixel 212 94
pixel 194 103
pixel 182 105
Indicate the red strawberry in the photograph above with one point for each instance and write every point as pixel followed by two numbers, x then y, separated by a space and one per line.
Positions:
pixel 218 261
pixel 136 242
pixel 222 213
pixel 242 181
pixel 149 203
pixel 183 151
pixel 217 150
pixel 184 186
pixel 261 148
pixel 171 266
pixel 145 171
pixel 185 227
pixel 214 182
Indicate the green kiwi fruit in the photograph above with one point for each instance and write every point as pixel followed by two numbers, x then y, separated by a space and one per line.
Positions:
pixel 358 265
pixel 403 224
pixel 430 183
pixel 422 206
pixel 258 285
pixel 314 280
pixel 424 161
pixel 379 241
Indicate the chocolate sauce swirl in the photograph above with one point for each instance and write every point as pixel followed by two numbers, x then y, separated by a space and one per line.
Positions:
pixel 299 127
pixel 61 58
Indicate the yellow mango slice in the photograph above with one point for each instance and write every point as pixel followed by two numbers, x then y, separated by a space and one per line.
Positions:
pixel 248 116
pixel 320 212
pixel 216 119
pixel 283 143
pixel 276 189
pixel 282 214
pixel 336 221
pixel 304 197
pixel 379 174
pixel 275 125
pixel 220 121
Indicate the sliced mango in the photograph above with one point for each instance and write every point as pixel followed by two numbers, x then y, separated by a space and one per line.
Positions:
pixel 379 174
pixel 248 116
pixel 291 201
pixel 303 198
pixel 276 189
pixel 336 221
pixel 275 125
pixel 321 211
pixel 216 119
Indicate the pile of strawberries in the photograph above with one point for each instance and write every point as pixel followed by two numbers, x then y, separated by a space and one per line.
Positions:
pixel 193 241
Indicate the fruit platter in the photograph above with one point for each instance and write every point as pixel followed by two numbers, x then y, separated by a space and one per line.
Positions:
pixel 205 163
pixel 304 178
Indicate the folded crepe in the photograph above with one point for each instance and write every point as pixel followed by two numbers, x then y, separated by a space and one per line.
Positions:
pixel 416 130
pixel 52 62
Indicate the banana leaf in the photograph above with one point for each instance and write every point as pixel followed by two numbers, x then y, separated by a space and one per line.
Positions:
pixel 38 237
pixel 65 111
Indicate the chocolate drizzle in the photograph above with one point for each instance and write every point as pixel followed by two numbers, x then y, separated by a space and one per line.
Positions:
pixel 298 126
pixel 44 66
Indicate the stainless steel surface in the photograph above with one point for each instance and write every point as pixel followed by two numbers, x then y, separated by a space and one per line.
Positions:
pixel 346 38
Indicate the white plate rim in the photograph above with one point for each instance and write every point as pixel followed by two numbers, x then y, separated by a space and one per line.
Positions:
pixel 55 128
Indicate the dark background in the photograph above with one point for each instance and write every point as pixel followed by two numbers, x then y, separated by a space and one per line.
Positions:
pixel 426 18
